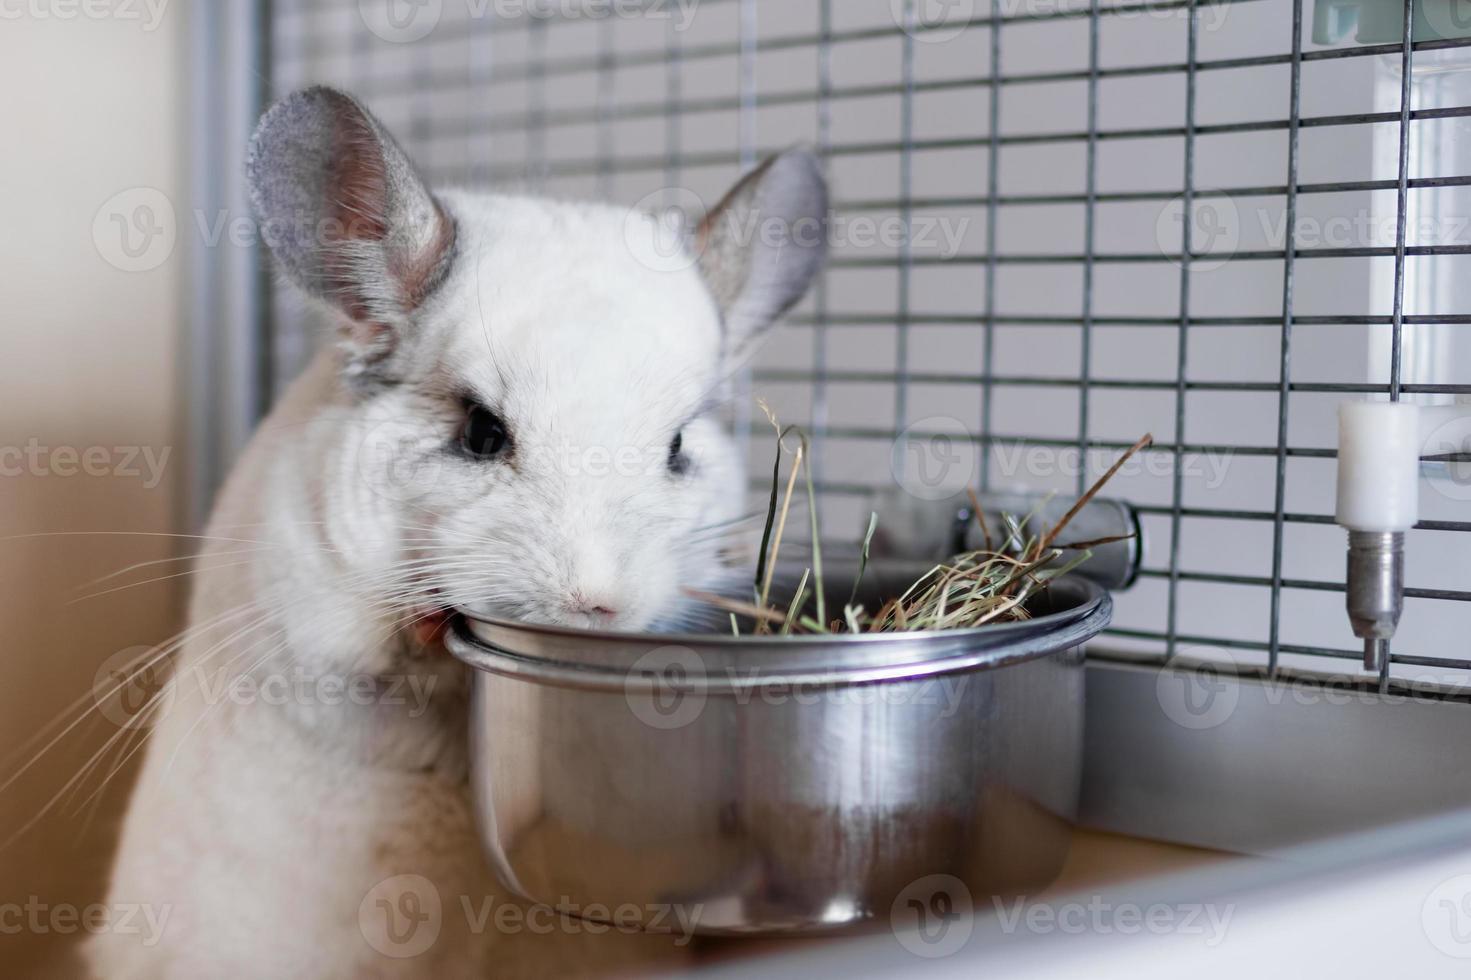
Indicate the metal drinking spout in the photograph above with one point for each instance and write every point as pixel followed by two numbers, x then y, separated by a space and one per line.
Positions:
pixel 1378 501
pixel 1376 589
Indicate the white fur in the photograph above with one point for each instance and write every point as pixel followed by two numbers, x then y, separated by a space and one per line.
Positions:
pixel 263 826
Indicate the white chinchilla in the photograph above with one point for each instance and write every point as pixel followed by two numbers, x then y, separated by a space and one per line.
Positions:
pixel 517 419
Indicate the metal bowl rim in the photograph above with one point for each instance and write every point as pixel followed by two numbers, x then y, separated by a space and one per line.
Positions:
pixel 1094 594
pixel 606 659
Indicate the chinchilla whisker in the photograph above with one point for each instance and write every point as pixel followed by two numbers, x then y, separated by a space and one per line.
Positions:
pixel 399 574
pixel 134 736
pixel 81 774
pixel 208 708
pixel 137 739
pixel 161 578
pixel 165 561
pixel 128 534
pixel 469 597
pixel 155 656
pixel 273 523
pixel 745 520
pixel 722 534
pixel 420 591
pixel 155 704
pixel 42 812
pixel 421 570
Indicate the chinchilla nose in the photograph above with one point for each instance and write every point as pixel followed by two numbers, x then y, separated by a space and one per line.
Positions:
pixel 599 609
pixel 593 590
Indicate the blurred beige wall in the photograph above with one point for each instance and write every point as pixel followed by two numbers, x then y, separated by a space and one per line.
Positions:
pixel 89 332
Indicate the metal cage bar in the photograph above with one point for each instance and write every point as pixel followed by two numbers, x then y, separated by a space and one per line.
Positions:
pixel 1289 269
pixel 820 299
pixel 906 221
pixel 1090 218
pixel 1187 224
pixel 993 194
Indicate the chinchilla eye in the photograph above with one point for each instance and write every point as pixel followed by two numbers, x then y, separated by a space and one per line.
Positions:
pixel 679 463
pixel 484 435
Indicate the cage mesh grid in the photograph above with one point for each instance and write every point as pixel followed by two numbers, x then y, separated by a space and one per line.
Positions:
pixel 577 101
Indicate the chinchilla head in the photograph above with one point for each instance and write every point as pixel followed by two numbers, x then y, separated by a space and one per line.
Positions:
pixel 527 387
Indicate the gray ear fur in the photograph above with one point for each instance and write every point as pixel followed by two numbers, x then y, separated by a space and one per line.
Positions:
pixel 347 216
pixel 761 247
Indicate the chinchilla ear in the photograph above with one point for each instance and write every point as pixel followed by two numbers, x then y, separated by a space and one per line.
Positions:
pixel 761 247
pixel 347 216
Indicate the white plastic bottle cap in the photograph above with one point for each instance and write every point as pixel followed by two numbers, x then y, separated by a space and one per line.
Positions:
pixel 1378 466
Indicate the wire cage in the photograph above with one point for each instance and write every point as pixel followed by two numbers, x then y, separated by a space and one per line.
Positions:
pixel 1058 224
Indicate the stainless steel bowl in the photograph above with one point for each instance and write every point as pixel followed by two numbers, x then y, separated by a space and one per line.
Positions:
pixel 744 784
